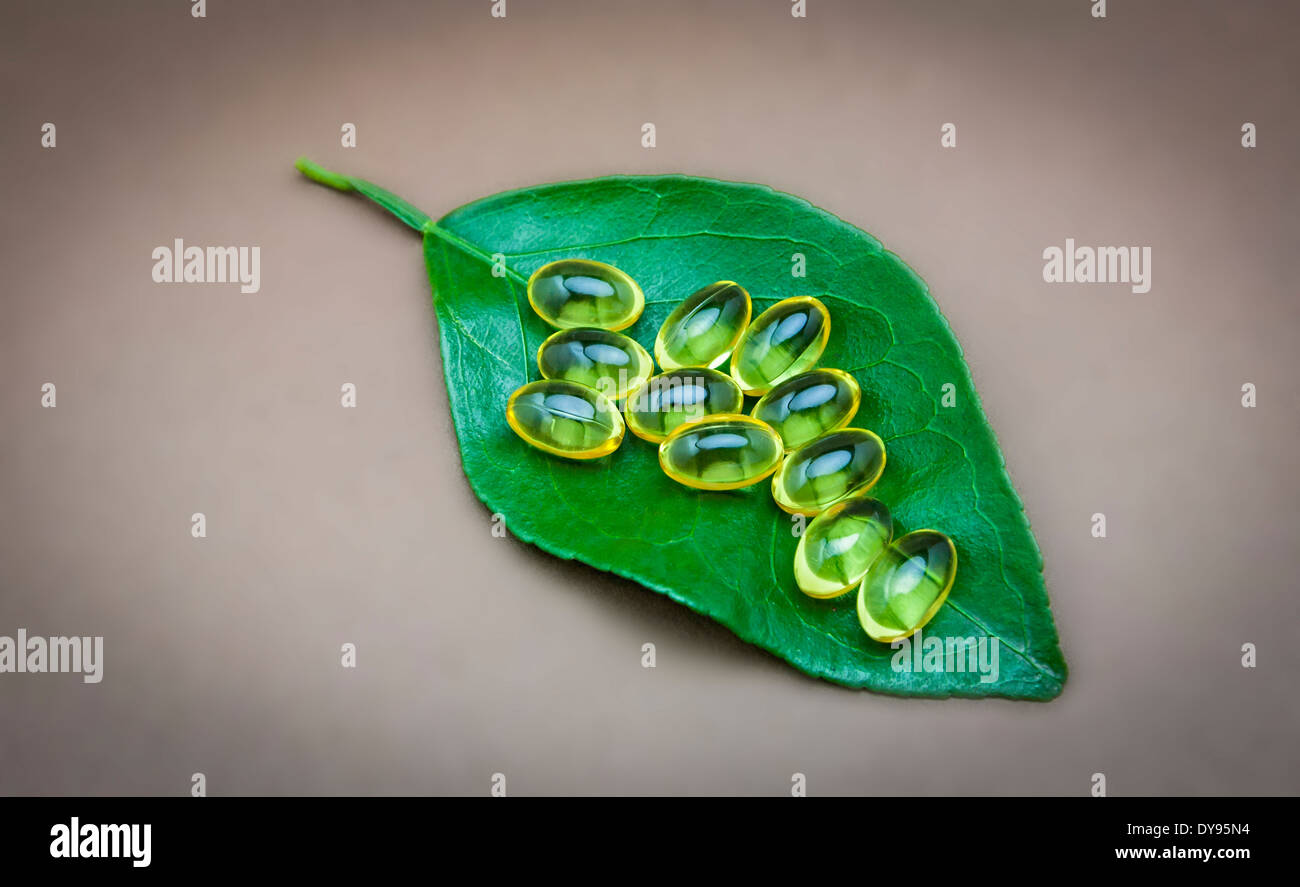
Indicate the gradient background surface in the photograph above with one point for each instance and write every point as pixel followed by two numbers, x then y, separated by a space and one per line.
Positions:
pixel 479 655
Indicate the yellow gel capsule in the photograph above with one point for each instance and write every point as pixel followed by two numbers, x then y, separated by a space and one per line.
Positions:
pixel 832 467
pixel 703 330
pixel 806 406
pixel 784 341
pixel 723 452
pixel 610 362
pixel 566 419
pixel 674 398
pixel 907 585
pixel 840 545
pixel 579 292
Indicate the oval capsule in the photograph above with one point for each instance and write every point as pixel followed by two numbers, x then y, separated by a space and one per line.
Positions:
pixel 840 545
pixel 610 362
pixel 784 341
pixel 907 585
pixel 806 406
pixel 580 292
pixel 566 419
pixel 723 452
pixel 832 467
pixel 703 330
pixel 663 402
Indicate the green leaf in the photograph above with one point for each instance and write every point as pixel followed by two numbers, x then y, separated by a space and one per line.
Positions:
pixel 729 555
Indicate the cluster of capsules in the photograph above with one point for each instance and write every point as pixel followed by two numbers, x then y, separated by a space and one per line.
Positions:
pixel 597 382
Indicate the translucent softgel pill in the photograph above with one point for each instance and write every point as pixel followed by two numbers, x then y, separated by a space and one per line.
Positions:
pixel 579 292
pixel 840 545
pixel 703 330
pixel 566 419
pixel 674 398
pixel 809 405
pixel 785 340
pixel 721 453
pixel 833 467
pixel 907 585
pixel 610 362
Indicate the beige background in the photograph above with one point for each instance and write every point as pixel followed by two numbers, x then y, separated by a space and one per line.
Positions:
pixel 479 655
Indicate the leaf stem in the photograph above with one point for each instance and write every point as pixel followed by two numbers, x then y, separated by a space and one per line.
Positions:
pixel 414 217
